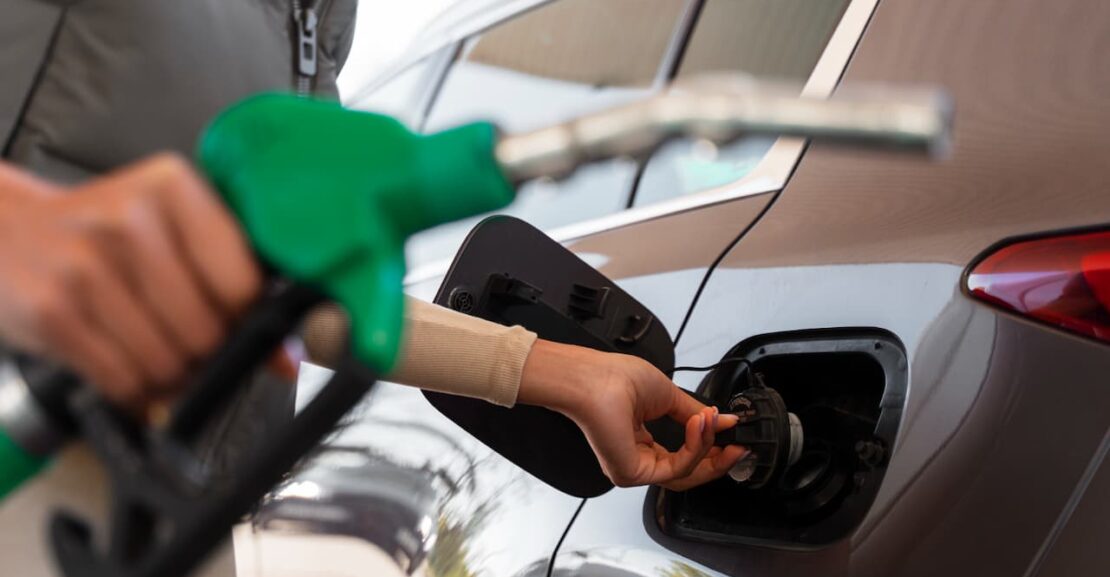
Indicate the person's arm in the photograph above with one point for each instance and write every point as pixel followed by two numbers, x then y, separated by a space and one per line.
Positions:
pixel 130 278
pixel 451 352
pixel 610 396
pixel 442 350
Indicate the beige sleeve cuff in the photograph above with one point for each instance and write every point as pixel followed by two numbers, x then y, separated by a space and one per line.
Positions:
pixel 450 352
pixel 442 350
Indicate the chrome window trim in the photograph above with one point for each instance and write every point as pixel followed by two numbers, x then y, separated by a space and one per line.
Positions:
pixel 460 25
pixel 437 74
pixel 770 175
pixel 458 51
pixel 455 25
pixel 677 44
pixel 775 168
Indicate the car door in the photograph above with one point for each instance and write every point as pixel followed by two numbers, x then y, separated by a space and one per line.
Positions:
pixel 562 58
pixel 654 223
pixel 860 243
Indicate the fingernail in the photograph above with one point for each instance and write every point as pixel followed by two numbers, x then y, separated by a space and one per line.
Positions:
pixel 702 417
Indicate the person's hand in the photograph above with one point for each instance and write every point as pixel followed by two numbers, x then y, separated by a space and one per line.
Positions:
pixel 610 397
pixel 126 279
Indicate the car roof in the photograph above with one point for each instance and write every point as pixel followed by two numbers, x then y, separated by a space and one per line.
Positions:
pixel 463 19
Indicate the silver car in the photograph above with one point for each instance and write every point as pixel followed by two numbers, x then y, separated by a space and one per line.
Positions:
pixel 954 315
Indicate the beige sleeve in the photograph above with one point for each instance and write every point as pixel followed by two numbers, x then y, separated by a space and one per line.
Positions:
pixel 443 351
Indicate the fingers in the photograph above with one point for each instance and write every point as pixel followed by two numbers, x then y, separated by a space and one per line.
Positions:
pixel 165 286
pixel 626 460
pixel 726 422
pixel 683 461
pixel 643 436
pixel 210 238
pixel 145 265
pixel 717 462
pixel 625 393
pixel 68 335
pixel 685 406
pixel 110 306
pixel 727 457
pixel 186 267
pixel 700 430
pixel 698 461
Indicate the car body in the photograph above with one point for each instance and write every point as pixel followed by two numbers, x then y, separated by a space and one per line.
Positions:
pixel 396 512
pixel 997 465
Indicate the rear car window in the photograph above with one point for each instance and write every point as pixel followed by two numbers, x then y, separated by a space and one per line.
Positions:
pixel 776 40
pixel 547 65
pixel 586 42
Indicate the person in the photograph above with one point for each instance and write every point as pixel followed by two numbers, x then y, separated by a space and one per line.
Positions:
pixel 125 266
pixel 133 277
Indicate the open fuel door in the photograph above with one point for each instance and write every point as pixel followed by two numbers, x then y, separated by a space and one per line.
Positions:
pixel 511 273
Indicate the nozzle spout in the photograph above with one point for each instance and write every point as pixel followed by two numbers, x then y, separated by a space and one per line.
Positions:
pixel 723 111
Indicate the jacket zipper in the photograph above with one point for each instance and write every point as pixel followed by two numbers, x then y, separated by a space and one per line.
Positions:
pixel 306 21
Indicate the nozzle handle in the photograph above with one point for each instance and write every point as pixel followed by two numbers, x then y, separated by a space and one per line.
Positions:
pixel 168 513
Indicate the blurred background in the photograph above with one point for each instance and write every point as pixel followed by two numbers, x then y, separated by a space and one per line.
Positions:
pixel 384 29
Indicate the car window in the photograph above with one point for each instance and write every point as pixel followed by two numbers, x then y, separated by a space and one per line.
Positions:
pixel 544 66
pixel 402 97
pixel 558 61
pixel 569 57
pixel 778 40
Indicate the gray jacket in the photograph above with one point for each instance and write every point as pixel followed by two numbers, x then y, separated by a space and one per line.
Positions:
pixel 88 85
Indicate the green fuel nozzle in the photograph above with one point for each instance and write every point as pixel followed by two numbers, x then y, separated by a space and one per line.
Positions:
pixel 328 197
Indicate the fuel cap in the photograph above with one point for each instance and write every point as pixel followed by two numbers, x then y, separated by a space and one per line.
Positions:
pixel 773 436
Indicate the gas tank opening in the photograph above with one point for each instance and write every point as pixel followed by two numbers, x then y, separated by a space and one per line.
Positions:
pixel 846 388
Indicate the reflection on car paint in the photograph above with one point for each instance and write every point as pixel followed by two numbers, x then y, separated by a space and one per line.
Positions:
pixel 686 167
pixel 330 496
pixel 624 562
pixel 407 480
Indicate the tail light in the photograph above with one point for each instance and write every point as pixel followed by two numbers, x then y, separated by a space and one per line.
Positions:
pixel 1063 281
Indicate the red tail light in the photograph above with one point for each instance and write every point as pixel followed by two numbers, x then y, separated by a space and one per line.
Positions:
pixel 1064 281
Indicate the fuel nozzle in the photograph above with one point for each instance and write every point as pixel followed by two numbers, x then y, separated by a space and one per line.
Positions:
pixel 772 434
pixel 723 108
